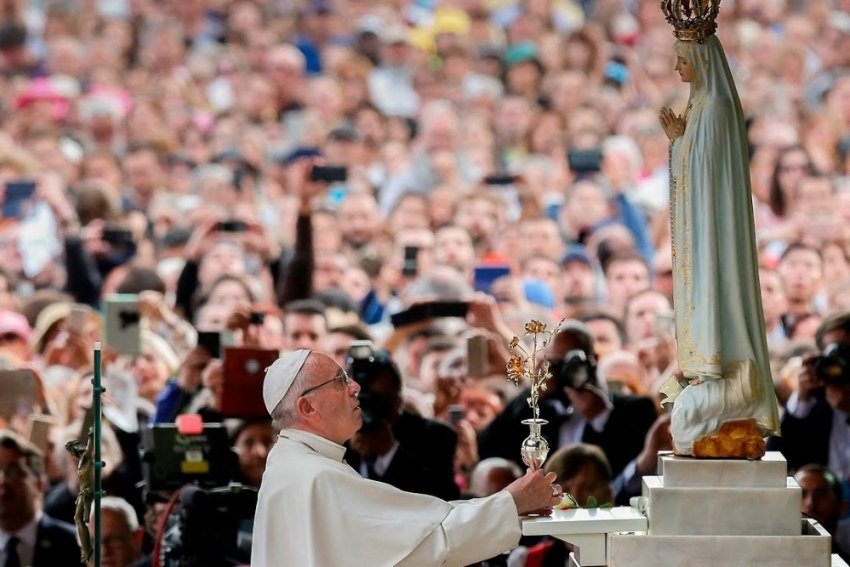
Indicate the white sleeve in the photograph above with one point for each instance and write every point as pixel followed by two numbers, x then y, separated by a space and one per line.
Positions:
pixel 473 531
pixel 797 407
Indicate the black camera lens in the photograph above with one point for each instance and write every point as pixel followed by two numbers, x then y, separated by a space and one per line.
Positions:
pixel 573 371
pixel 833 366
pixel 375 409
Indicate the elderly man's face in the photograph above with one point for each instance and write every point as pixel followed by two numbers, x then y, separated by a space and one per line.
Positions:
pixel 336 403
pixel 119 546
pixel 20 490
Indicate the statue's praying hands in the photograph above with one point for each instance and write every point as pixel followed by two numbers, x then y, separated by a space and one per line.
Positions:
pixel 674 126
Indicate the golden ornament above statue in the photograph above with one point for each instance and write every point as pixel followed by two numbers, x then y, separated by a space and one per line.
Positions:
pixel 692 20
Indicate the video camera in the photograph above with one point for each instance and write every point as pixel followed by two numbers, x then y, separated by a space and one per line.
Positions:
pixel 364 365
pixel 211 522
pixel 174 455
pixel 210 528
pixel 833 365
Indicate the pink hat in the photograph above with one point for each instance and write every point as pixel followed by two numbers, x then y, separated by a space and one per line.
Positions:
pixel 13 323
pixel 43 90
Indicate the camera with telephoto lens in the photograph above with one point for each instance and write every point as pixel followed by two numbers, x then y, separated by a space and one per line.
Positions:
pixel 833 365
pixel 364 366
pixel 576 370
pixel 209 528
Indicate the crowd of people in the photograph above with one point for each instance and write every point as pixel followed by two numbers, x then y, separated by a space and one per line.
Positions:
pixel 426 175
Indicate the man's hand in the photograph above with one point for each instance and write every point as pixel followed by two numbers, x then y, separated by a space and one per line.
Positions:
pixel 658 438
pixel 152 306
pixel 256 239
pixel 298 183
pixel 807 382
pixel 484 312
pixel 535 492
pixel 466 454
pixel 191 371
pixel 200 240
pixel 213 378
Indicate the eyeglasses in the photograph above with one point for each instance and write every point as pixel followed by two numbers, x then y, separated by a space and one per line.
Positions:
pixel 342 377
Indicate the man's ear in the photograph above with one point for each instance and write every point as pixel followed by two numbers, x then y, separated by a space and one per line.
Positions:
pixel 304 408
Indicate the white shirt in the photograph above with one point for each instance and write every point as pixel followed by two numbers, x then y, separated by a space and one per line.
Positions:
pixel 315 510
pixel 572 431
pixel 839 434
pixel 839 444
pixel 26 545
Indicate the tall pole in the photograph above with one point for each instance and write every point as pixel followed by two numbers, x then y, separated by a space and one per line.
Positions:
pixel 97 392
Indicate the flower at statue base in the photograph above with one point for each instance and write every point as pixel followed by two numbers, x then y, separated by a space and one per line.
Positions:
pixel 568 502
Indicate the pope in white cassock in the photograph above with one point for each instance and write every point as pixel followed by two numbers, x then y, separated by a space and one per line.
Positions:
pixel 315 510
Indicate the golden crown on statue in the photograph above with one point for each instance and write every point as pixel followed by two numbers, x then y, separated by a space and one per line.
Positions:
pixel 692 20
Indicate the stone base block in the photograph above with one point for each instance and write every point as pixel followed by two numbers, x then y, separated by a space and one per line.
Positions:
pixel 687 472
pixel 722 511
pixel 811 549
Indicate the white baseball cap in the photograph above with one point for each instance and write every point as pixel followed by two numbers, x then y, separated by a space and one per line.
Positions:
pixel 280 376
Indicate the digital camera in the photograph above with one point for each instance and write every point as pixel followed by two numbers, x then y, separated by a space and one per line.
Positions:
pixel 576 370
pixel 833 365
pixel 364 365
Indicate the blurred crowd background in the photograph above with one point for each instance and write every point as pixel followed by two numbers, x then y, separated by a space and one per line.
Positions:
pixel 504 154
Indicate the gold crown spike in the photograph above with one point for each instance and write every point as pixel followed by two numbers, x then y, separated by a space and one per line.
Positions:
pixel 692 20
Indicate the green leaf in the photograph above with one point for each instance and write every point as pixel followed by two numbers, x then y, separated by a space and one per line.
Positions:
pixel 591 502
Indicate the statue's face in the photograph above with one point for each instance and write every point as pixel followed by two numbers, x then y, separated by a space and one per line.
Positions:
pixel 685 69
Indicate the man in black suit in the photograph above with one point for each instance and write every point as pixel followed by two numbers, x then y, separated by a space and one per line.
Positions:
pixel 816 421
pixel 577 406
pixel 27 535
pixel 395 446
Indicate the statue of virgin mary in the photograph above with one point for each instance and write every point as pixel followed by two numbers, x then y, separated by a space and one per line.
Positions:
pixel 721 340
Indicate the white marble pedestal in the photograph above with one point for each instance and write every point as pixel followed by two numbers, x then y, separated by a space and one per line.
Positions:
pixel 698 513
pixel 587 530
